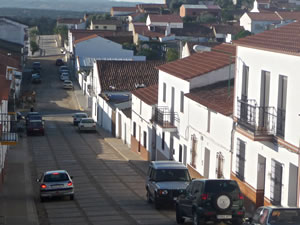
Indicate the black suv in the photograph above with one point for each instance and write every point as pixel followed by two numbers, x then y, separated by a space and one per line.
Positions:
pixel 165 181
pixel 211 200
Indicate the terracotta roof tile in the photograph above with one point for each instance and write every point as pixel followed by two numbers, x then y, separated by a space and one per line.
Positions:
pixel 169 18
pixel 215 97
pixel 284 39
pixel 125 75
pixel 148 95
pixel 4 88
pixel 80 33
pixel 143 30
pixel 6 61
pixel 200 63
pixel 289 15
pixel 264 16
pixel 144 6
pixel 86 38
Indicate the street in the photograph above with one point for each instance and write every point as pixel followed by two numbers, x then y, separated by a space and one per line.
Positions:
pixel 107 189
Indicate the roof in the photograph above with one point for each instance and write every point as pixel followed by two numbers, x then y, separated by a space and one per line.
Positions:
pixel 125 75
pixel 145 6
pixel 107 22
pixel 285 39
pixel 167 165
pixel 263 16
pixel 4 88
pixel 70 20
pixel 86 38
pixel 11 47
pixel 143 30
pixel 289 15
pixel 190 29
pixel 200 63
pixel 6 60
pixel 148 95
pixel 116 35
pixel 214 97
pixel 201 7
pixel 191 44
pixel 124 9
pixel 228 29
pixel 169 18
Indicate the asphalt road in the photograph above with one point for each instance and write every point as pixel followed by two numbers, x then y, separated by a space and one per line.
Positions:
pixel 108 190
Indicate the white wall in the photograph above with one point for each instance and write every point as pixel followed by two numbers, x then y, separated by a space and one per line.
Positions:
pixel 245 21
pixel 101 48
pixel 277 64
pixel 125 134
pixel 12 31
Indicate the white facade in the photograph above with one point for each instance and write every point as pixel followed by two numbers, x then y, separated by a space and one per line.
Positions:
pixel 81 25
pixel 12 31
pixel 163 24
pixel 264 158
pixel 123 127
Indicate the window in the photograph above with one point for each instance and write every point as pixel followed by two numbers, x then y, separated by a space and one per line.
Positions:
pixel 208 120
pixel 264 99
pixel 134 129
pixel 163 141
pixel 245 80
pixel 281 105
pixel 181 101
pixel 180 153
pixel 105 27
pixel 240 159
pixel 145 139
pixel 164 92
pixel 96 27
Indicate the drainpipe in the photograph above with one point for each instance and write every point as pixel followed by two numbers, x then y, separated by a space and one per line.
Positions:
pixel 231 146
pixel 298 189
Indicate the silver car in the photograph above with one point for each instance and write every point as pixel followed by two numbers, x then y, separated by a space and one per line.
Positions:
pixel 87 124
pixel 56 183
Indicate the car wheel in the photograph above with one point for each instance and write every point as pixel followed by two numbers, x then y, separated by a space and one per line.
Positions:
pixel 179 218
pixel 149 200
pixel 197 220
pixel 71 197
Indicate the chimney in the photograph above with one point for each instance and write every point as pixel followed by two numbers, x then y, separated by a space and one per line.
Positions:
pixel 255 7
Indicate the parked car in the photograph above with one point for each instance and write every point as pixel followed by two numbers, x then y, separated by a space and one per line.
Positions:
pixel 33 116
pixel 68 84
pixel 275 215
pixel 56 183
pixel 211 200
pixel 36 78
pixel 64 76
pixel 59 62
pixel 36 66
pixel 87 124
pixel 78 116
pixel 35 127
pixel 165 181
pixel 61 68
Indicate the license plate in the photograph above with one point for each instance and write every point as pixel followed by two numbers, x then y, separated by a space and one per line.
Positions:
pixel 58 185
pixel 224 216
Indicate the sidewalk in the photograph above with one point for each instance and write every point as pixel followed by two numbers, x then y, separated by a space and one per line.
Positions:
pixel 16 197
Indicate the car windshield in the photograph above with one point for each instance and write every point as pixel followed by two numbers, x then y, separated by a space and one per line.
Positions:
pixel 284 217
pixel 35 117
pixel 87 121
pixel 81 116
pixel 172 175
pixel 54 177
pixel 217 186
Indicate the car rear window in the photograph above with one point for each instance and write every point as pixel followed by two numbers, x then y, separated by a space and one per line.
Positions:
pixel 284 216
pixel 218 186
pixel 172 175
pixel 81 116
pixel 53 177
pixel 87 121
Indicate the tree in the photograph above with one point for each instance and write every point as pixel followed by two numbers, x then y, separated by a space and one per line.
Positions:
pixel 172 54
pixel 62 31
pixel 241 34
pixel 34 47
pixel 206 18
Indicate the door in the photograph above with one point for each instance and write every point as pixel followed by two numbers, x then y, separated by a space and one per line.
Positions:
pixel 261 172
pixel 264 100
pixel 206 162
pixel 180 153
pixel 185 201
pixel 184 154
pixel 153 144
pixel 276 182
pixel 293 186
pixel 113 123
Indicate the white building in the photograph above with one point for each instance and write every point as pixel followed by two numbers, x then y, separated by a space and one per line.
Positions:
pixel 13 31
pixel 266 111
pixel 171 20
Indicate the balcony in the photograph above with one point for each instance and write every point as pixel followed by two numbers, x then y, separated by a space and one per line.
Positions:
pixel 165 118
pixel 259 120
pixel 8 129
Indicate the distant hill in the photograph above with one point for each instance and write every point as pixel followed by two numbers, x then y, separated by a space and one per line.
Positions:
pixel 70 5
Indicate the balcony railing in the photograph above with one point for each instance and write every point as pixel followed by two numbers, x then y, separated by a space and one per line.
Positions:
pixel 8 129
pixel 261 120
pixel 165 118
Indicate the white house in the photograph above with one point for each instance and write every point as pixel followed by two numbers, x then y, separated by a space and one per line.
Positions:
pixel 171 20
pixel 13 31
pixel 72 23
pixel 112 84
pixel 266 110
pixel 144 101
pixel 181 135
